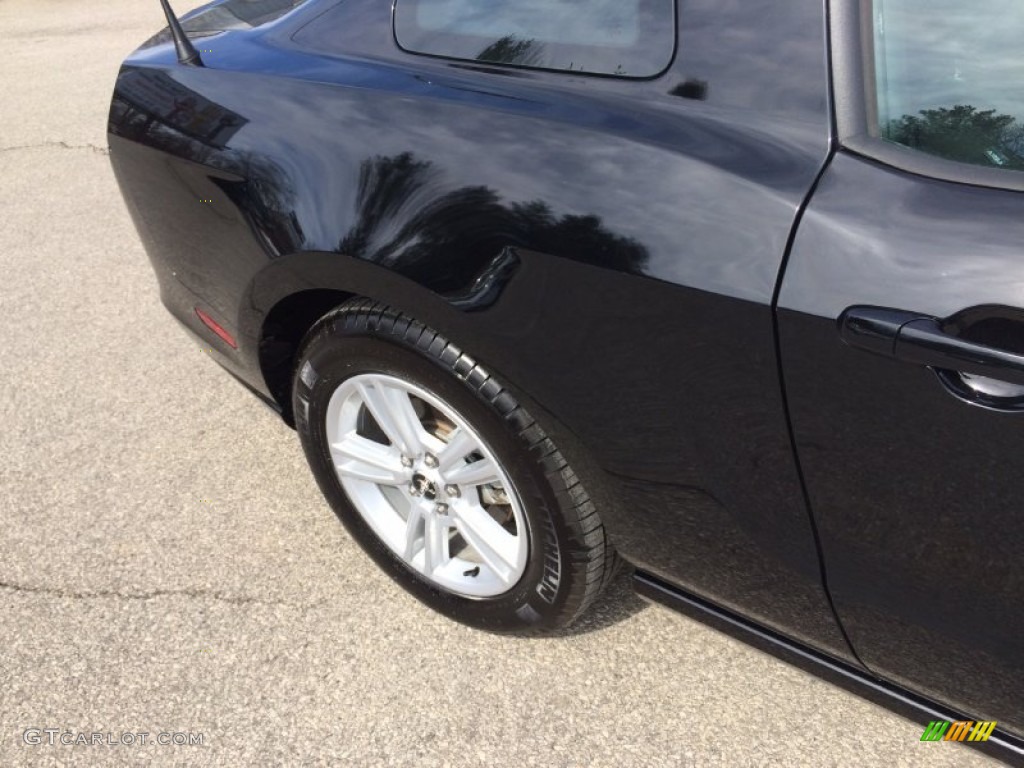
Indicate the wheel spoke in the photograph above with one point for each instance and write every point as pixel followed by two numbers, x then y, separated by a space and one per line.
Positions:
pixel 480 472
pixel 418 472
pixel 494 544
pixel 459 444
pixel 412 532
pixel 392 409
pixel 364 459
pixel 435 543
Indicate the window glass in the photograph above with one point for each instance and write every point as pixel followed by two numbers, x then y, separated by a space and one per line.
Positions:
pixel 629 38
pixel 950 78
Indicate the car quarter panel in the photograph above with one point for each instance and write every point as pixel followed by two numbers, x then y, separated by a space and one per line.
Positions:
pixel 611 248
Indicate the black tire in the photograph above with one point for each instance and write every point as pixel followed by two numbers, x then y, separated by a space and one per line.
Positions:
pixel 570 558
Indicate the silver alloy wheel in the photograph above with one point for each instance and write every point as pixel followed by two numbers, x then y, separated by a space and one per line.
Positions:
pixel 427 485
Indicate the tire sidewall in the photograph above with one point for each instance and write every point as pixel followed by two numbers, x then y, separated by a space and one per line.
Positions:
pixel 538 598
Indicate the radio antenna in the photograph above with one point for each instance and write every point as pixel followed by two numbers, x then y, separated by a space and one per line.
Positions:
pixel 187 53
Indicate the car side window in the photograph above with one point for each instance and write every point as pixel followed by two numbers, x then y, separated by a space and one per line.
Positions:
pixel 948 77
pixel 627 38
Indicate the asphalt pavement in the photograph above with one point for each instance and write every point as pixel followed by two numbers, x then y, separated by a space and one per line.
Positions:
pixel 168 567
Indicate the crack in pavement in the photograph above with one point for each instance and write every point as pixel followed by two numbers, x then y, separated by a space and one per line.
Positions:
pixel 58 145
pixel 192 593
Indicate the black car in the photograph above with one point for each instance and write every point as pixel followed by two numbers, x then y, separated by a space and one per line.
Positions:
pixel 732 292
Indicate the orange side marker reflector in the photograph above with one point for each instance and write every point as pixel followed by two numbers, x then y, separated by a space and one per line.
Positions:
pixel 212 324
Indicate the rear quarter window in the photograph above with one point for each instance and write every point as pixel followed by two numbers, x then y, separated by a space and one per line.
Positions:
pixel 624 38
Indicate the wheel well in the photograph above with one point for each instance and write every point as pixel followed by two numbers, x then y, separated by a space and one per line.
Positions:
pixel 283 330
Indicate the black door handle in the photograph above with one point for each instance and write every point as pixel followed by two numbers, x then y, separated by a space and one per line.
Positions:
pixel 918 339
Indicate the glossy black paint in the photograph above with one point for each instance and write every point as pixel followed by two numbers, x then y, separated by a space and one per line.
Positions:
pixel 611 250
pixel 914 475
pixel 638 318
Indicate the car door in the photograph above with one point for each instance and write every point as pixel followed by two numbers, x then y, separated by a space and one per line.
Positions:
pixel 901 321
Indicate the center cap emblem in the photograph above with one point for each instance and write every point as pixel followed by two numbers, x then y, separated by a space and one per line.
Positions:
pixel 421 486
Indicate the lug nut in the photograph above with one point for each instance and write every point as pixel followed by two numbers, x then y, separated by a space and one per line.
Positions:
pixel 441 509
pixel 452 490
pixel 430 460
pixel 406 462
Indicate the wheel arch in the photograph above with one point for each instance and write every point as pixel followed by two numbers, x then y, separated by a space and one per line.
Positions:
pixel 286 299
pixel 298 291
